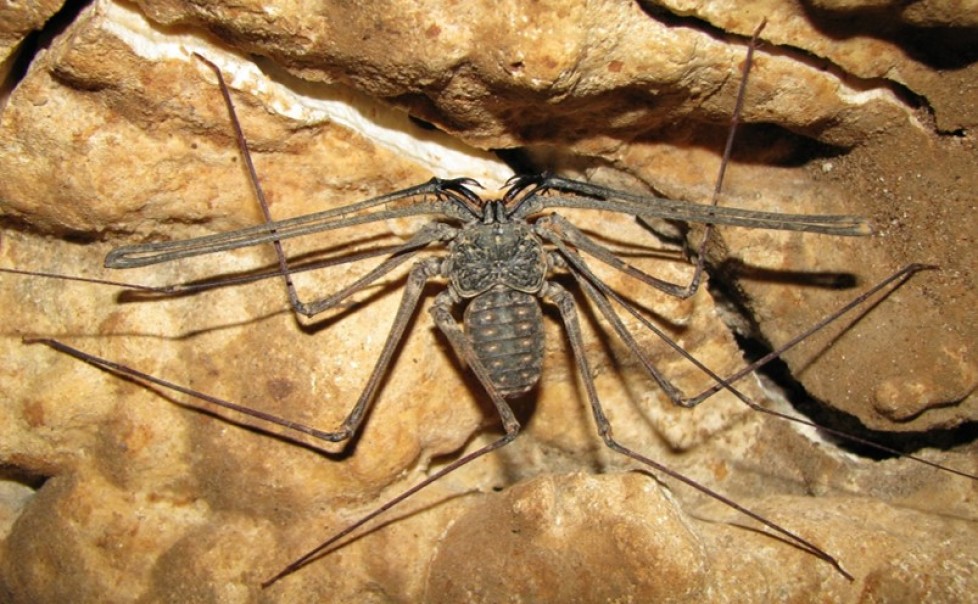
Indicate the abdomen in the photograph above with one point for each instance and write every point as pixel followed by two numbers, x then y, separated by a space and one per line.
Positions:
pixel 505 328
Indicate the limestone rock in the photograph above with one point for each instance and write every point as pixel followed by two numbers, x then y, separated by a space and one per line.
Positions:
pixel 117 135
pixel 18 22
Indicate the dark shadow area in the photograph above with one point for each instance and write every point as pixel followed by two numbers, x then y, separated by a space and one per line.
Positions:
pixel 38 40
pixel 732 270
pixel 756 144
pixel 518 160
pixel 938 47
pixel 10 222
pixel 32 478
pixel 420 123
pixel 905 442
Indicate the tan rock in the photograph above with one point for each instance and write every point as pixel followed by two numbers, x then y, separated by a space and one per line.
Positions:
pixel 18 20
pixel 928 13
pixel 113 491
pixel 923 51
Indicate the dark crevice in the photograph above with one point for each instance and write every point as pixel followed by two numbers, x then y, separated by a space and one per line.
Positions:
pixel 423 124
pixel 518 160
pixel 767 143
pixel 911 100
pixel 937 47
pixel 761 144
pixel 11 222
pixel 19 63
pixel 38 40
pixel 778 375
pixel 30 478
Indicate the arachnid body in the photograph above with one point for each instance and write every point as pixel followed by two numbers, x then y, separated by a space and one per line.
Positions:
pixel 264 499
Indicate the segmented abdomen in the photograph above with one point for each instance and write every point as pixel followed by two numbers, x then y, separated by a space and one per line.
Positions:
pixel 505 328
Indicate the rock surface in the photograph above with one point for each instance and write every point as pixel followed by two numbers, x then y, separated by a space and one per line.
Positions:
pixel 115 134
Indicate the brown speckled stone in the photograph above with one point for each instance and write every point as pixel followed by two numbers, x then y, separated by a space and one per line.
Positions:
pixel 115 492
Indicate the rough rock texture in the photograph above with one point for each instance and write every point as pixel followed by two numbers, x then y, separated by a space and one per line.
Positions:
pixel 16 24
pixel 115 134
